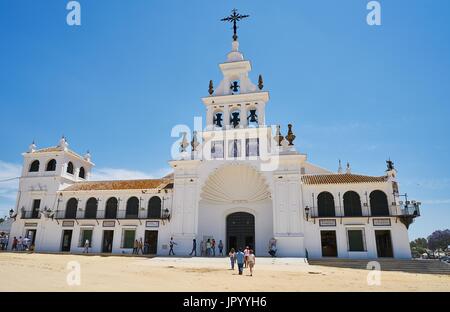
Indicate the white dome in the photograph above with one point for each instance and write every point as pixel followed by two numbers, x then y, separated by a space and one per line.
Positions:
pixel 235 184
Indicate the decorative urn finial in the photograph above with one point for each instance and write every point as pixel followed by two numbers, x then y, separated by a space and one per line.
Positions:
pixel 32 147
pixel 194 142
pixel 290 136
pixel 211 88
pixel 63 143
pixel 260 82
pixel 340 167
pixel 87 156
pixel 278 137
pixel 184 143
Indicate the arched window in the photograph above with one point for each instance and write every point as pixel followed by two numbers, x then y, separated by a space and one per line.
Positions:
pixel 82 173
pixel 51 165
pixel 34 167
pixel 154 208
pixel 71 208
pixel 379 204
pixel 111 208
pixel 325 205
pixel 132 208
pixel 235 118
pixel 70 167
pixel 218 119
pixel 252 117
pixel 91 208
pixel 352 204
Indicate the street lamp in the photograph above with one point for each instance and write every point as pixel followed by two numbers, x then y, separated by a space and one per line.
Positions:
pixel 12 215
pixel 166 214
pixel 307 212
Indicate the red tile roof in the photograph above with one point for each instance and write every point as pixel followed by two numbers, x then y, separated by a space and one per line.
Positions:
pixel 345 178
pixel 144 184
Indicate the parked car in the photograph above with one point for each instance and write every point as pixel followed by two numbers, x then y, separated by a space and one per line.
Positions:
pixel 445 259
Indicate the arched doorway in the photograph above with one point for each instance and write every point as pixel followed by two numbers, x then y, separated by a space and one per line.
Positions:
pixel 240 230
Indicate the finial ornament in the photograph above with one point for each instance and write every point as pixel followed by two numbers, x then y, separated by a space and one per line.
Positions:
pixel 184 143
pixel 32 147
pixel 234 18
pixel 211 88
pixel 340 167
pixel 194 142
pixel 278 137
pixel 348 170
pixel 260 82
pixel 390 165
pixel 63 143
pixel 290 136
pixel 87 156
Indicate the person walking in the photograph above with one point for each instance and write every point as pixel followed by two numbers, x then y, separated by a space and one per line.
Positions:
pixel 20 243
pixel 171 245
pixel 221 248
pixel 135 247
pixel 194 248
pixel 14 244
pixel 86 246
pixel 240 261
pixel 246 253
pixel 140 247
pixel 208 247
pixel 213 246
pixel 251 261
pixel 146 247
pixel 232 255
pixel 202 248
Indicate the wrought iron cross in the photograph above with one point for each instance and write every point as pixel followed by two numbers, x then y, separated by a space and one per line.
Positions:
pixel 234 18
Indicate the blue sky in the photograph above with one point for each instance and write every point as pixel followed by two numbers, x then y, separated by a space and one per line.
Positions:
pixel 117 84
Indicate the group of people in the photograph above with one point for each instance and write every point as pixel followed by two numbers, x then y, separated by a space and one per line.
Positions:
pixel 4 240
pixel 21 244
pixel 208 248
pixel 140 246
pixel 244 259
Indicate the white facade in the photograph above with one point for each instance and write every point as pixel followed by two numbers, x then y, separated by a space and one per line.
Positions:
pixel 238 182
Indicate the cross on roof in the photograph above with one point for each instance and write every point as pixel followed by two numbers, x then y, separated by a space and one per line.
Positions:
pixel 234 18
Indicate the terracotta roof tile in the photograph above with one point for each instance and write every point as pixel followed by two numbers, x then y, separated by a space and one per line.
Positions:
pixel 121 185
pixel 345 178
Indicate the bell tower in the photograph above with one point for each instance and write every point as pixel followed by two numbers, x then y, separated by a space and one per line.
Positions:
pixel 235 110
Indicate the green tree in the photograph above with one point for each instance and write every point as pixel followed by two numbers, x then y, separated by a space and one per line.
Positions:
pixel 418 246
pixel 439 240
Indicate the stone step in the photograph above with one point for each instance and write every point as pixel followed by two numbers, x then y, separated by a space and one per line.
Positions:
pixel 411 266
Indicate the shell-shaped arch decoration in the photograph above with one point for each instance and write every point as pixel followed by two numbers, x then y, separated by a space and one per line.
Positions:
pixel 235 184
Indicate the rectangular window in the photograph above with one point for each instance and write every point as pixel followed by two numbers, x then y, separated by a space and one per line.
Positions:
pixel 128 238
pixel 234 148
pixel 356 240
pixel 252 147
pixel 36 206
pixel 216 149
pixel 86 234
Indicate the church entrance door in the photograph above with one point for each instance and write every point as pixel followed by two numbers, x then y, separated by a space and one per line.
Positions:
pixel 240 230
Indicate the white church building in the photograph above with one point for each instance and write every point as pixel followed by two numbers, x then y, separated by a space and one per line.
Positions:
pixel 238 180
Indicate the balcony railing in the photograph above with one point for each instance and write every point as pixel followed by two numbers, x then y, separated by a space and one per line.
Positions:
pixel 106 215
pixel 366 213
pixel 35 214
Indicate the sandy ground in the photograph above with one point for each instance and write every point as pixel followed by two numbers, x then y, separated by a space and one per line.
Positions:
pixel 47 272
